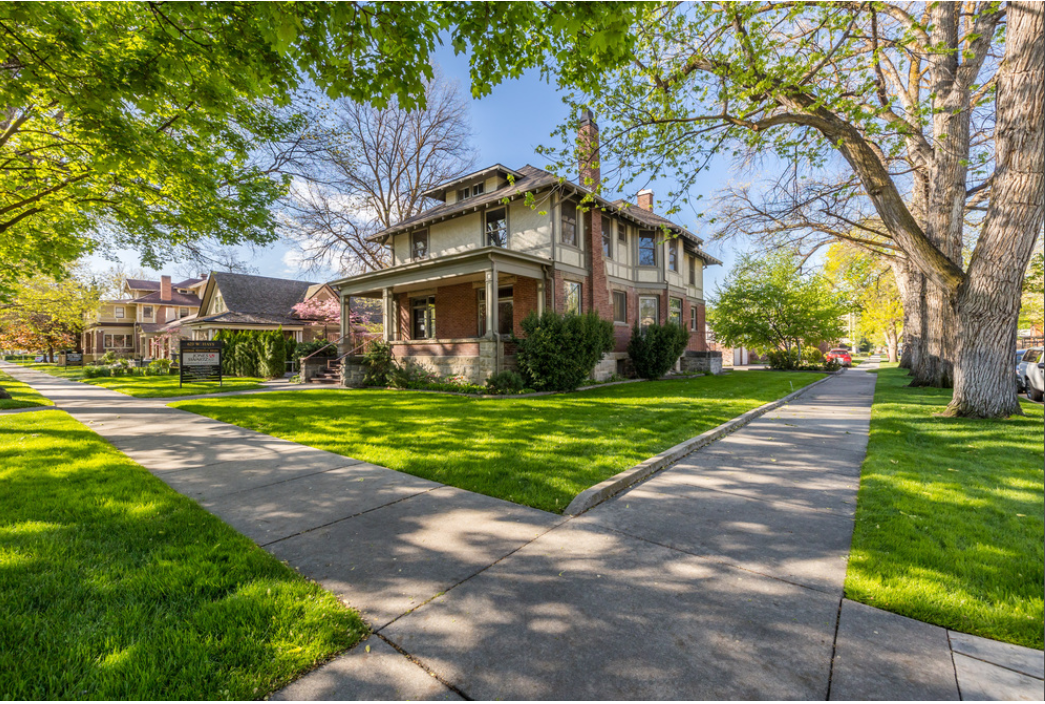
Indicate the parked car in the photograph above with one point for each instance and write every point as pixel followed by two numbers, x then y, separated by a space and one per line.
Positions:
pixel 1032 369
pixel 1020 386
pixel 841 356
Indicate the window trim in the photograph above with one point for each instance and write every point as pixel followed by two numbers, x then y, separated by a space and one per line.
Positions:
pixel 579 288
pixel 607 236
pixel 623 297
pixel 671 313
pixel 119 312
pixel 656 307
pixel 562 229
pixel 507 228
pixel 622 233
pixel 692 318
pixel 148 312
pixel 692 270
pixel 428 304
pixel 673 255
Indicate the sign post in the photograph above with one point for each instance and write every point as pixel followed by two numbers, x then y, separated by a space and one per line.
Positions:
pixel 73 359
pixel 200 360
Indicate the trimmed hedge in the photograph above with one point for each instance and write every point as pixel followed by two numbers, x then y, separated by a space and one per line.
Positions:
pixel 655 350
pixel 253 353
pixel 560 352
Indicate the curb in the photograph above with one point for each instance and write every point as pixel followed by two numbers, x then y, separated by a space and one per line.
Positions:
pixel 607 489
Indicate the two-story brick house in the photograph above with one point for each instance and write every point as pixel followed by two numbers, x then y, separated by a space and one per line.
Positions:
pixel 129 326
pixel 465 273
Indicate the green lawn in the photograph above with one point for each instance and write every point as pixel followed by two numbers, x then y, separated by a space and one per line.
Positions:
pixel 149 386
pixel 22 395
pixel 949 520
pixel 113 586
pixel 539 451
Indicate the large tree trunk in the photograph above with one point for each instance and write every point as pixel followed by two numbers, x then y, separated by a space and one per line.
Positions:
pixel 911 285
pixel 935 366
pixel 989 299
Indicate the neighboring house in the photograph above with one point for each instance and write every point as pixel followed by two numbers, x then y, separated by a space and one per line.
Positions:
pixel 133 325
pixel 247 302
pixel 465 273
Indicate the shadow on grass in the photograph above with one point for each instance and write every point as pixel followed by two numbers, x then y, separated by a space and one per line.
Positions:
pixel 113 586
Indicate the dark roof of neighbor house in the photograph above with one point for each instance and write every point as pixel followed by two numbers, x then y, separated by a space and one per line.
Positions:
pixel 176 298
pixel 151 327
pixel 143 285
pixel 259 299
pixel 188 283
pixel 531 179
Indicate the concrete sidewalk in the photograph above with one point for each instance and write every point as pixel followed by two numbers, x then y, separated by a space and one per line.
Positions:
pixel 718 578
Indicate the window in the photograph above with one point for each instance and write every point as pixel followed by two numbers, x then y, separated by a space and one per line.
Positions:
pixel 569 224
pixel 649 311
pixel 607 237
pixel 673 254
pixel 422 318
pixel 647 248
pixel 183 312
pixel 497 228
pixel 693 318
pixel 146 311
pixel 622 232
pixel 118 342
pixel 419 244
pixel 573 298
pixel 505 311
pixel 620 307
pixel 470 191
pixel 675 311
pixel 118 311
pixel 692 271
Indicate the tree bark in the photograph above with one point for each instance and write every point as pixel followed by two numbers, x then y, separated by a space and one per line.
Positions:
pixel 935 367
pixel 989 299
pixel 911 285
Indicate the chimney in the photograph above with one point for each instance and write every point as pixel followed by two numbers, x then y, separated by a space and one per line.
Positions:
pixel 646 199
pixel 165 288
pixel 588 151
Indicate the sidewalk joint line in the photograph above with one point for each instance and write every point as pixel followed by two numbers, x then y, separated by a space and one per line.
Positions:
pixel 431 673
pixel 834 649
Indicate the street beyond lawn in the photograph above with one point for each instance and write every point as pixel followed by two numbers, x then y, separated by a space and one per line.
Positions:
pixel 539 451
pixel 148 386
pixel 114 586
pixel 949 524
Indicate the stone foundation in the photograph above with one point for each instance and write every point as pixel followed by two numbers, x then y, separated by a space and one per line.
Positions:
pixel 697 361
pixel 352 372
pixel 312 367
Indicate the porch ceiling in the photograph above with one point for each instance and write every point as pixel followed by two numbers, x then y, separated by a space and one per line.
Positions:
pixel 468 266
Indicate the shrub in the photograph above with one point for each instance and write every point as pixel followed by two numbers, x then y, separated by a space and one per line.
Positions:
pixel 107 358
pixel 812 355
pixel 158 367
pixel 560 351
pixel 272 354
pixel 96 372
pixel 655 350
pixel 506 382
pixel 379 363
pixel 304 349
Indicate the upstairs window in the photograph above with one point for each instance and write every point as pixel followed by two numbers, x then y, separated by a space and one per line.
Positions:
pixel 569 224
pixel 422 318
pixel 497 228
pixel 573 298
pixel 673 255
pixel 147 311
pixel 419 244
pixel 118 312
pixel 647 248
pixel 607 237
pixel 476 189
pixel 183 312
pixel 692 271
pixel 622 232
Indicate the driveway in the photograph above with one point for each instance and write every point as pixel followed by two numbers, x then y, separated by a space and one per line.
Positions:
pixel 718 578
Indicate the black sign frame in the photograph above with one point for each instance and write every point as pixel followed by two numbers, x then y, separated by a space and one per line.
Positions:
pixel 200 372
pixel 74 363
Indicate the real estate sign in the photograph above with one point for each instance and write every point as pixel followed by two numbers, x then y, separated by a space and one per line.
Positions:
pixel 200 360
pixel 73 359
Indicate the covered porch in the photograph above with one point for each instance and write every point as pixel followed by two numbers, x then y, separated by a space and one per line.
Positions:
pixel 454 315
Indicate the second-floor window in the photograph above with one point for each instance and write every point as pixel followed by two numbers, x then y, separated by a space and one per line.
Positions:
pixel 183 312
pixel 607 237
pixel 569 224
pixel 692 271
pixel 673 254
pixel 471 191
pixel 419 244
pixel 497 228
pixel 118 311
pixel 147 312
pixel 647 248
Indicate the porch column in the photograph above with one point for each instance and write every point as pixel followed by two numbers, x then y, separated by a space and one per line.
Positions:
pixel 491 301
pixel 346 322
pixel 540 296
pixel 389 315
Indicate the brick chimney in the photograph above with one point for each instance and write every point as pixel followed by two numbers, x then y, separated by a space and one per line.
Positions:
pixel 646 199
pixel 165 288
pixel 588 151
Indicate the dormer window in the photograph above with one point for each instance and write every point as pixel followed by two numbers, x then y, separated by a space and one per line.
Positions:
pixel 476 189
pixel 419 244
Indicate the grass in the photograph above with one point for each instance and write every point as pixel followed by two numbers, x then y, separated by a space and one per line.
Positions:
pixel 22 395
pixel 540 451
pixel 949 520
pixel 149 386
pixel 113 586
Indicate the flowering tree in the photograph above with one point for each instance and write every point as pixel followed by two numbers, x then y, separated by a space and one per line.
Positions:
pixel 328 310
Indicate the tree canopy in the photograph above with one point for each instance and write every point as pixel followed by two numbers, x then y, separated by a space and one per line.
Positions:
pixel 45 314
pixel 139 124
pixel 768 303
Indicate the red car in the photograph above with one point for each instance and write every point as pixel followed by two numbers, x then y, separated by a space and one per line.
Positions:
pixel 841 356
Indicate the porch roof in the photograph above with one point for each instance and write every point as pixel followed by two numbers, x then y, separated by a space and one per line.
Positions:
pixel 371 284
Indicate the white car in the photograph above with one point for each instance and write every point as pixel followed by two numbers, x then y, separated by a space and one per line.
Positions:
pixel 1033 366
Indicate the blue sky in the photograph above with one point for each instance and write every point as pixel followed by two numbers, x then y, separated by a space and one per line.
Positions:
pixel 507 126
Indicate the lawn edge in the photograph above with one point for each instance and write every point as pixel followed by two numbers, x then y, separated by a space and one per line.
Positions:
pixel 608 488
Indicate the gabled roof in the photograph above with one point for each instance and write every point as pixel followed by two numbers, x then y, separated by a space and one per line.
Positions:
pixel 187 283
pixel 531 179
pixel 176 299
pixel 255 299
pixel 142 285
pixel 440 191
